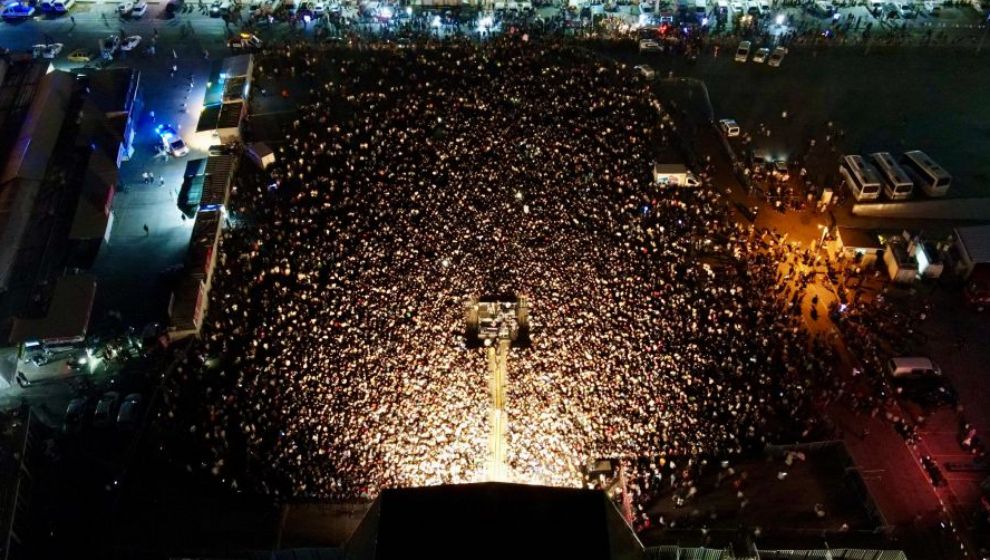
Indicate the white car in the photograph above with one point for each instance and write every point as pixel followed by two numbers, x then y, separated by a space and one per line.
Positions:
pixel 824 9
pixel 49 51
pixel 761 55
pixel 729 127
pixel 932 9
pixel 777 57
pixel 319 9
pixel 742 52
pixel 109 46
pixel 645 71
pixel 16 11
pixel 649 45
pixel 764 7
pixel 140 8
pixel 125 8
pixel 739 6
pixel 130 43
pixel 171 141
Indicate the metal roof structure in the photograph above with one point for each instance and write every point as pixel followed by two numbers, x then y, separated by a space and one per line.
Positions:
pixel 975 240
pixel 68 313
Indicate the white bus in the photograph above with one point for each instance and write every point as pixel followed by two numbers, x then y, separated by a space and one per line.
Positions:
pixel 864 182
pixel 927 174
pixel 897 184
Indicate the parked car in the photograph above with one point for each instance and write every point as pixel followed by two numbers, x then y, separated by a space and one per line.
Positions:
pixel 171 141
pixel 140 8
pixel 823 9
pixel 649 45
pixel 933 9
pixel 777 57
pixel 48 51
pixel 908 11
pixel 105 409
pixel 130 411
pixel 125 8
pixel 646 71
pixel 244 41
pixel 109 45
pixel 729 127
pixel 761 55
pixel 74 415
pixel 81 55
pixel 172 8
pixel 742 52
pixel 934 473
pixel 61 7
pixel 130 43
pixel 15 11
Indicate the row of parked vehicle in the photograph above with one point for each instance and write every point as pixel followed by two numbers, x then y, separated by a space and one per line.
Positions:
pixel 867 178
pixel 109 410
pixel 16 10
pixel 133 9
pixel 761 55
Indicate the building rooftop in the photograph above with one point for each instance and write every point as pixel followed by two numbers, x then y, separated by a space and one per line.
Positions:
pixel 68 313
pixel 19 81
pixel 92 216
pixel 493 520
pixel 976 241
pixel 113 89
pixel 859 238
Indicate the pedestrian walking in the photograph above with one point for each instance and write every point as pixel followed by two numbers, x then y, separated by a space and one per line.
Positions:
pixel 147 232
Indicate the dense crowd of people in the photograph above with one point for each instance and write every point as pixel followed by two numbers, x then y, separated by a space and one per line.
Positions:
pixel 333 361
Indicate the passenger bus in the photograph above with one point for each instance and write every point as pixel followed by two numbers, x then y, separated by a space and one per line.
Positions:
pixel 927 174
pixel 897 184
pixel 864 182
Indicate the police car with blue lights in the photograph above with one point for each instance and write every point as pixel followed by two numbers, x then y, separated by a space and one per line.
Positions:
pixel 171 141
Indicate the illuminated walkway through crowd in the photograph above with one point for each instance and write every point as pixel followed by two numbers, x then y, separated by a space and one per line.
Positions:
pixel 497 358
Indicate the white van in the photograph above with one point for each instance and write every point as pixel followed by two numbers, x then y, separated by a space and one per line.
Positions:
pixel 862 180
pixel 897 185
pixel 904 367
pixel 674 175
